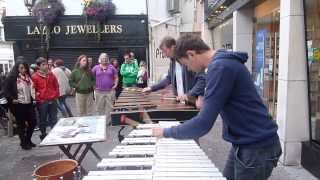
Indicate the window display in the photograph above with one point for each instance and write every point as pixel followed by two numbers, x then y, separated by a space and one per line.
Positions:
pixel 313 46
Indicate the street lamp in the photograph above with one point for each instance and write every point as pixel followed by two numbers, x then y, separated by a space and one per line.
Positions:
pixel 29 4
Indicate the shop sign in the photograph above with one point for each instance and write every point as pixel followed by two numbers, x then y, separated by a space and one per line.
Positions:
pixel 75 29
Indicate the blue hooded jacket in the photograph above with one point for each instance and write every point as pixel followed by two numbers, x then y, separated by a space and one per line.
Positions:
pixel 231 93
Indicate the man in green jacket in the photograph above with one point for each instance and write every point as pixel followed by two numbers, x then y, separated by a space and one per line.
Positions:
pixel 129 71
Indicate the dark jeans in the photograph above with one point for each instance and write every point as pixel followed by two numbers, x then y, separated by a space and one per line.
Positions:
pixel 63 107
pixel 246 163
pixel 143 85
pixel 26 121
pixel 48 115
pixel 129 85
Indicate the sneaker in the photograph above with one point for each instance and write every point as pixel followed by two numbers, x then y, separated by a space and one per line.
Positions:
pixel 32 144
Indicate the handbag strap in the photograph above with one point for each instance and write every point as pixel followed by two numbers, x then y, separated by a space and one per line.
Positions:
pixel 78 84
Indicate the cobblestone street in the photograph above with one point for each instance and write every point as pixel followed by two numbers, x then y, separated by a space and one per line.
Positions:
pixel 19 164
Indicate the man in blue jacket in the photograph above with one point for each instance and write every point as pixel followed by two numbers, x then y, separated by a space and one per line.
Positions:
pixel 231 93
pixel 192 85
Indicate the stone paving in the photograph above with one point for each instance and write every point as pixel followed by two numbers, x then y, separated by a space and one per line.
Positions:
pixel 18 164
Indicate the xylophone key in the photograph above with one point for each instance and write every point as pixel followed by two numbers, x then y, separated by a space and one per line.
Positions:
pixel 120 172
pixel 187 174
pixel 189 178
pixel 125 162
pixel 169 159
pixel 186 169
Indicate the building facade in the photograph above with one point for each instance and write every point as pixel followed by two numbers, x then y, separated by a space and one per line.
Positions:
pixel 165 17
pixel 6 48
pixel 282 41
pixel 180 17
pixel 132 34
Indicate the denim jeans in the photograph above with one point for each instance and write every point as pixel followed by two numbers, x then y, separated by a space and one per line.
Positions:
pixel 246 163
pixel 63 107
pixel 48 115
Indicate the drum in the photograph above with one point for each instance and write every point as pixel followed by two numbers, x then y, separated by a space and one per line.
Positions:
pixel 57 170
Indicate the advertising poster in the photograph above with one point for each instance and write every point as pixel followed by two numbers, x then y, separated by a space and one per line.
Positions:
pixel 316 54
pixel 260 58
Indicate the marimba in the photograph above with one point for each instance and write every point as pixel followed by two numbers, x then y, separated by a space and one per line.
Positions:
pixel 140 156
pixel 157 105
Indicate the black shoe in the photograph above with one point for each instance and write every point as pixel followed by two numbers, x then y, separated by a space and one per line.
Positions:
pixel 42 136
pixel 26 147
pixel 32 144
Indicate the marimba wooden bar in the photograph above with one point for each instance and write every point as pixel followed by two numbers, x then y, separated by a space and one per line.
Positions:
pixel 158 105
pixel 140 156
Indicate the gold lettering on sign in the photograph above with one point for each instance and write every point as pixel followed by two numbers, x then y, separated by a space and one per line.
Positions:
pixel 113 28
pixel 106 29
pixel 29 31
pixel 36 30
pixel 81 29
pixel 89 29
pixel 75 29
pixel 95 30
pixel 119 29
pixel 57 29
pixel 44 30
pixel 67 30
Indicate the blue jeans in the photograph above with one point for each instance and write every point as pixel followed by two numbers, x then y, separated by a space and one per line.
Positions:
pixel 63 107
pixel 248 163
pixel 48 115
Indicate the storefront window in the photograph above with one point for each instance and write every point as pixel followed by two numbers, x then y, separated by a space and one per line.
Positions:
pixel 223 35
pixel 313 45
pixel 266 58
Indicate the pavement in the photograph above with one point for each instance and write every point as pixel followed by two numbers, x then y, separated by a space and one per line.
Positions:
pixel 18 164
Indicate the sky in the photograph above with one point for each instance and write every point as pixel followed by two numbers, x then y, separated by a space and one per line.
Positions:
pixel 74 7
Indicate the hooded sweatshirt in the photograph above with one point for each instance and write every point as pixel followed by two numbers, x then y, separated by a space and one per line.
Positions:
pixel 231 93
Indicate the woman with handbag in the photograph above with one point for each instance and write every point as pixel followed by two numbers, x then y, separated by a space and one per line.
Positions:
pixel 19 91
pixel 82 82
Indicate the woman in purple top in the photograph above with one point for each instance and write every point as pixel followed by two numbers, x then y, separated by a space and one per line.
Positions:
pixel 106 82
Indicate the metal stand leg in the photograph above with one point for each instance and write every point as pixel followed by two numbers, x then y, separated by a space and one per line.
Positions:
pixel 120 136
pixel 88 146
pixel 95 153
pixel 66 152
pixel 77 150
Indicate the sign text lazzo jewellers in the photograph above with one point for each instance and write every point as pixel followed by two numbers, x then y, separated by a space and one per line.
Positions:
pixel 76 29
